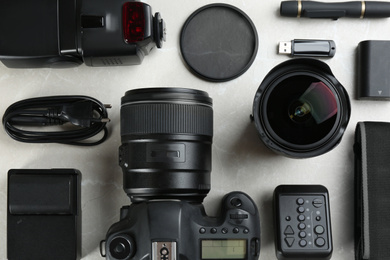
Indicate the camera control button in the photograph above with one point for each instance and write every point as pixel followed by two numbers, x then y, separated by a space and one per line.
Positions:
pixel 289 230
pixel 302 243
pixel 318 203
pixel 202 230
pixel 224 231
pixel 246 231
pixel 213 230
pixel 301 226
pixel 239 216
pixel 320 242
pixel 300 201
pixel 301 209
pixel 302 234
pixel 236 230
pixel 301 218
pixel 236 202
pixel 319 229
pixel 289 241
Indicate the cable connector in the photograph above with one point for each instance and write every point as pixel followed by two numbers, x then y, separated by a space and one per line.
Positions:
pixel 81 113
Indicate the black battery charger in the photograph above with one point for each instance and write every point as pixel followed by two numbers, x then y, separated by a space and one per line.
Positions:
pixel 43 214
pixel 373 78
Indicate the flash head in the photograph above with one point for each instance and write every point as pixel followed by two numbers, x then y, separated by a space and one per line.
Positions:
pixel 300 109
pixel 58 34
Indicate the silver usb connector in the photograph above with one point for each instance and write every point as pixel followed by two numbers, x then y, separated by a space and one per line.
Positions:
pixel 285 47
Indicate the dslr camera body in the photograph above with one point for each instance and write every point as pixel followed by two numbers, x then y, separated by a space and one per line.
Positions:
pixel 169 230
pixel 63 33
pixel 165 156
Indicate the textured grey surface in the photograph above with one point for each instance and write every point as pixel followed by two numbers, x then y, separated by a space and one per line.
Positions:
pixel 240 160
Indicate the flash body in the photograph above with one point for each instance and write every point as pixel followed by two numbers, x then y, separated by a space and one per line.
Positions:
pixel 61 34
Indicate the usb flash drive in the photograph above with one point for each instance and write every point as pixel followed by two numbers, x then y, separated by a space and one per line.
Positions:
pixel 308 48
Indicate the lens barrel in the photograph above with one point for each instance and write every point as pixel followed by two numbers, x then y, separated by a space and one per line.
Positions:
pixel 166 143
pixel 300 109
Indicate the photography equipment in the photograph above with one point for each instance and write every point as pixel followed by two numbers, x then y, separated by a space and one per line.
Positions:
pixel 44 214
pixel 302 222
pixel 308 48
pixel 166 160
pixel 218 42
pixel 300 109
pixel 166 143
pixel 373 80
pixel 181 230
pixel 354 9
pixel 58 34
pixel 372 194
pixel 86 117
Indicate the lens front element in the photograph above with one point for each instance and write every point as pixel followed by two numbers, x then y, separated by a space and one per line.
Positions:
pixel 300 109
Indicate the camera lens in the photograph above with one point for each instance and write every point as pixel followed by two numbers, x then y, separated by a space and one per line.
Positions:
pixel 166 143
pixel 121 247
pixel 300 109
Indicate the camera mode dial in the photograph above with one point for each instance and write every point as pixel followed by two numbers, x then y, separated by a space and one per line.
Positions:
pixel 121 247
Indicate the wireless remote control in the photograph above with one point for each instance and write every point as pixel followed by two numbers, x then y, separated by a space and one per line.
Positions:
pixel 302 222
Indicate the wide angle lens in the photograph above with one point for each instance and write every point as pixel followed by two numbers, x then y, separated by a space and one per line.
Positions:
pixel 300 109
pixel 166 143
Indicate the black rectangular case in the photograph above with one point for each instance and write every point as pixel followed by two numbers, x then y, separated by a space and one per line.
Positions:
pixel 43 219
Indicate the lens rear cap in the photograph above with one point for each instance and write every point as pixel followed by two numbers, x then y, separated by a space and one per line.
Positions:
pixel 218 42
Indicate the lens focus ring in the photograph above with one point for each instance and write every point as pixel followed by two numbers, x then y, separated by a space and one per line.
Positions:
pixel 166 118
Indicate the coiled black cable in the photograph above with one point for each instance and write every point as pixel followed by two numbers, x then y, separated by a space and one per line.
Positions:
pixel 87 116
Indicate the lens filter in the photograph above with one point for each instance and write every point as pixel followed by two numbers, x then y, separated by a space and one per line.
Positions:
pixel 218 42
pixel 300 109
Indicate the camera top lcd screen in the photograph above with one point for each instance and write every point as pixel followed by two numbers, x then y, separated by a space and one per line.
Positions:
pixel 224 249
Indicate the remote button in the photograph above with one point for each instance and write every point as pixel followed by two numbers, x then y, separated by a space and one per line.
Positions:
pixel 202 230
pixel 301 209
pixel 320 242
pixel 319 229
pixel 300 201
pixel 301 218
pixel 302 234
pixel 213 230
pixel 289 241
pixel 302 243
pixel 318 203
pixel 289 230
pixel 301 226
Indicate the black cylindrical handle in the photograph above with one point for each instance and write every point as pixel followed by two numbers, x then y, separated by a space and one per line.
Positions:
pixel 377 9
pixel 353 9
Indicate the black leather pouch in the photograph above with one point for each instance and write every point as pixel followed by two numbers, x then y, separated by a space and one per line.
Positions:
pixel 372 191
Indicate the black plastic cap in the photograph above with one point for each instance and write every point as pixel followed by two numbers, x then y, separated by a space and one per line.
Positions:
pixel 289 8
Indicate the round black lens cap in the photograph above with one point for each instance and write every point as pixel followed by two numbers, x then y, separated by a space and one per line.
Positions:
pixel 218 42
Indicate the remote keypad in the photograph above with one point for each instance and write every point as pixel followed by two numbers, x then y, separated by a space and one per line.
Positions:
pixel 302 222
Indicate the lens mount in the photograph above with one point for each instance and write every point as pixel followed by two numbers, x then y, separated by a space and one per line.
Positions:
pixel 300 109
